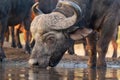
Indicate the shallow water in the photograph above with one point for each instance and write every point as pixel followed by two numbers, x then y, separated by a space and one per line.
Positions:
pixel 21 71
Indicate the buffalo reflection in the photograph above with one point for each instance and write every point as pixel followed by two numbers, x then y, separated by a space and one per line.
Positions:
pixel 102 74
pixel 99 74
pixel 2 69
pixel 72 74
pixel 13 72
pixel 24 73
pixel 43 74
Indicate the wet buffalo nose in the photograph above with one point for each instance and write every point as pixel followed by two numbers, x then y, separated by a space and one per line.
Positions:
pixel 33 62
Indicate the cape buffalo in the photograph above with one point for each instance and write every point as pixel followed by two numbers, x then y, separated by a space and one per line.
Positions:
pixel 13 12
pixel 53 32
pixel 47 6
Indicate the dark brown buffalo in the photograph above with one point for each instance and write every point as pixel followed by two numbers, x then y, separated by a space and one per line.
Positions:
pixel 54 32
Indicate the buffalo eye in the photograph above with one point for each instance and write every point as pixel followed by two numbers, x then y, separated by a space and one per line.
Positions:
pixel 49 40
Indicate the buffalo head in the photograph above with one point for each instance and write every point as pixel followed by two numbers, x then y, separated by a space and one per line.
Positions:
pixel 53 34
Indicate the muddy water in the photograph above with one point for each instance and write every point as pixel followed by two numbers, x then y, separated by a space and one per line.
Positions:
pixel 21 71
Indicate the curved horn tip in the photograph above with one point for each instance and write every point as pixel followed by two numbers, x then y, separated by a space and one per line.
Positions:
pixel 36 4
pixel 36 9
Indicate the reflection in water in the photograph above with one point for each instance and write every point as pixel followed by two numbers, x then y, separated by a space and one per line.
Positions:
pixel 102 74
pixel 13 72
pixel 43 74
pixel 1 72
pixel 25 73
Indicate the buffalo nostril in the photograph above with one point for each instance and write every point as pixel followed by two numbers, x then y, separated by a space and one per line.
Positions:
pixel 33 62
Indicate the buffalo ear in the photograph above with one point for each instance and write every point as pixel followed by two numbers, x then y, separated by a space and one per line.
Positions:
pixel 80 33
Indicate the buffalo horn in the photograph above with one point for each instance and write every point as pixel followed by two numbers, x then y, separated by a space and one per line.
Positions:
pixel 70 21
pixel 36 10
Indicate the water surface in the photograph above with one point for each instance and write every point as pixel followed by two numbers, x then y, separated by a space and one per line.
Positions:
pixel 21 71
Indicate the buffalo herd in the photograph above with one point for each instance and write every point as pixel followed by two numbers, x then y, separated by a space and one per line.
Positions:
pixel 57 24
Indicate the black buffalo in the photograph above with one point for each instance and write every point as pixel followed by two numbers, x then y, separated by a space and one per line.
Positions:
pixel 54 32
pixel 46 6
pixel 13 12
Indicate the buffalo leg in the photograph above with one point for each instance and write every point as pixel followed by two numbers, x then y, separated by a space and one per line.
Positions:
pixel 114 43
pixel 2 31
pixel 7 33
pixel 107 31
pixel 11 29
pixel 85 47
pixel 91 47
pixel 27 34
pixel 71 48
pixel 17 35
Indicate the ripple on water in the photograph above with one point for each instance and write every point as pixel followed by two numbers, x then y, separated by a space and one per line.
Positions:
pixel 62 64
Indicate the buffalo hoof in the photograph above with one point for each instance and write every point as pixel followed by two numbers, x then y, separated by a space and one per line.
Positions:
pixel 27 49
pixel 2 55
pixel 92 65
pixel 114 56
pixel 101 65
pixel 19 46
pixel 13 45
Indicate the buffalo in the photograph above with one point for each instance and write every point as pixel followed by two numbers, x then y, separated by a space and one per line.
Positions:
pixel 46 6
pixel 54 32
pixel 13 12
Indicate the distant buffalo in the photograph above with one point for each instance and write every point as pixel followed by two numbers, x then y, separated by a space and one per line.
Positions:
pixel 54 32
pixel 13 12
